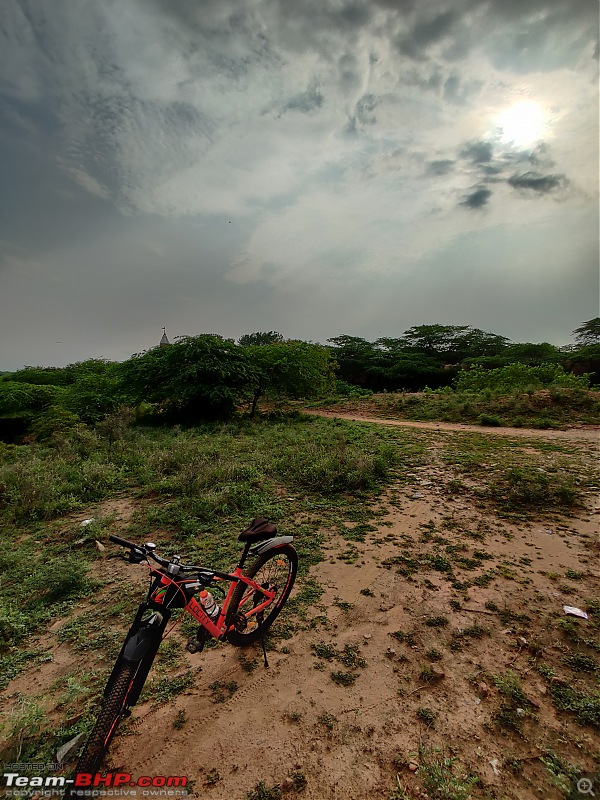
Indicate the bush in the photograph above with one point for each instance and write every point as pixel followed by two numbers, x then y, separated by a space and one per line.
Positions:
pixel 518 377
pixel 491 420
pixel 526 486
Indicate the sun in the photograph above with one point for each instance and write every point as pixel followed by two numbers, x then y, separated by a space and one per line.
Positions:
pixel 521 125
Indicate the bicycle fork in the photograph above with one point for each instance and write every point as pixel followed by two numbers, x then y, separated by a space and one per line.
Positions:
pixel 140 647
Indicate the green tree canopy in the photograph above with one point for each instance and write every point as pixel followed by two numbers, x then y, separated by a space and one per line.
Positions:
pixel 292 369
pixel 17 396
pixel 453 343
pixel 260 338
pixel 588 333
pixel 196 377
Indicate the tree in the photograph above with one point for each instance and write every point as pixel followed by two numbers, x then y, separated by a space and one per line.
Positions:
pixel 588 333
pixel 354 357
pixel 196 377
pixel 95 394
pixel 435 340
pixel 16 396
pixel 292 369
pixel 260 338
pixel 453 343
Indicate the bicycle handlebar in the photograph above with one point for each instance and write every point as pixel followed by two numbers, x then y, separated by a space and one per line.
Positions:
pixel 147 553
pixel 123 542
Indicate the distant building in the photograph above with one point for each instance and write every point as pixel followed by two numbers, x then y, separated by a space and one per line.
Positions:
pixel 164 339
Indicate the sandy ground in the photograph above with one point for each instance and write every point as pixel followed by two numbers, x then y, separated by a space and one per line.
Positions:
pixel 354 742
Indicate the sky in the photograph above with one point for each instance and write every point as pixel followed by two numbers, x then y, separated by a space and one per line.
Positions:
pixel 315 167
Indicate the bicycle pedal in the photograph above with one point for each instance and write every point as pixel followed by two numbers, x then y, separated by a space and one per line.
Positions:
pixel 194 646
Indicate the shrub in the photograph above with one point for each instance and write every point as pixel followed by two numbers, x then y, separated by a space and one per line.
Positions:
pixel 518 377
pixel 491 420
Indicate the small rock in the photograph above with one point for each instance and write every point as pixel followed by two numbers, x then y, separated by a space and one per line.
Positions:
pixel 438 674
pixel 386 606
pixel 417 496
pixel 534 702
pixel 508 630
pixel 413 766
pixel 286 785
pixel 520 712
pixel 86 522
pixel 494 763
pixel 367 636
pixel 478 702
pixel 523 641
pixel 69 749
pixel 483 689
pixel 557 681
pixel 99 546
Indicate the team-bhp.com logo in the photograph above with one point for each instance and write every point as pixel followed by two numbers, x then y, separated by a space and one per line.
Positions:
pixel 86 784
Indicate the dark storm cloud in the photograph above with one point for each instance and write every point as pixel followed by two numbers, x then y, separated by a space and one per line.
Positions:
pixel 477 199
pixel 424 33
pixel 441 167
pixel 537 183
pixel 477 152
pixel 307 101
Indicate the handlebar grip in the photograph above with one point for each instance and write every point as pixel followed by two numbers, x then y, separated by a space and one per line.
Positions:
pixel 123 542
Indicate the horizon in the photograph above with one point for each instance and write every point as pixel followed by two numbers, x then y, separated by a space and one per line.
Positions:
pixel 175 337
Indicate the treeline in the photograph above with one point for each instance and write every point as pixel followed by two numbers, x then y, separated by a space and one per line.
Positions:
pixel 434 355
pixel 196 378
pixel 208 377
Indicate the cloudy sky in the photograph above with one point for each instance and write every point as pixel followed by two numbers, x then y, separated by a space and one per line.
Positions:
pixel 315 167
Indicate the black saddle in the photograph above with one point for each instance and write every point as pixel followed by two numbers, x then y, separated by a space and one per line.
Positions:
pixel 258 530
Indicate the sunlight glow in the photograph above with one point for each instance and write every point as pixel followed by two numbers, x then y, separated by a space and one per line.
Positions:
pixel 522 124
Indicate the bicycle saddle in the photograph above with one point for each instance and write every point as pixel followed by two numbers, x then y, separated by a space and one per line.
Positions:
pixel 258 530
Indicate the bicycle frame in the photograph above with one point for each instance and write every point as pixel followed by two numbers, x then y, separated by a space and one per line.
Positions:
pixel 166 594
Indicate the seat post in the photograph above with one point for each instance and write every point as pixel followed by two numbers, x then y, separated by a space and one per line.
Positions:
pixel 244 555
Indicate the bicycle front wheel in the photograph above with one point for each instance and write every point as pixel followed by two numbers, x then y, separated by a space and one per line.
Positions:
pixel 112 711
pixel 275 571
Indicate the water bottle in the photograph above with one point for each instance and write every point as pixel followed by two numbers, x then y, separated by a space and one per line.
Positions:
pixel 209 605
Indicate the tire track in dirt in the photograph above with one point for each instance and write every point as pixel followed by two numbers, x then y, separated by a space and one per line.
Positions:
pixel 196 724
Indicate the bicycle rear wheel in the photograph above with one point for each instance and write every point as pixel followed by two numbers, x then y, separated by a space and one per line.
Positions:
pixel 111 713
pixel 275 570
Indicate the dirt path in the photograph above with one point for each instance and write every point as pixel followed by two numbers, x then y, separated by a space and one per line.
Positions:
pixel 589 433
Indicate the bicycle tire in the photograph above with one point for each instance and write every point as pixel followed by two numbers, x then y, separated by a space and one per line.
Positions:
pixel 106 725
pixel 283 568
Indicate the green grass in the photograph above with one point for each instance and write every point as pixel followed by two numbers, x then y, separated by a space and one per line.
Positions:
pixel 514 701
pixel 537 409
pixel 166 688
pixel 263 792
pixel 343 678
pixel 442 777
pixel 427 715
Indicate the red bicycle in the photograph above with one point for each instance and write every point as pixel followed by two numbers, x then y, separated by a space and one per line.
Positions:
pixel 252 601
